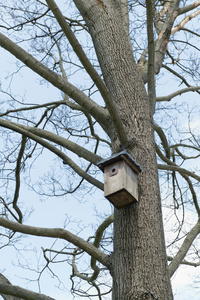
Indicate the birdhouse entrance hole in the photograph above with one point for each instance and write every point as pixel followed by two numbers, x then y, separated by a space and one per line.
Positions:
pixel 113 170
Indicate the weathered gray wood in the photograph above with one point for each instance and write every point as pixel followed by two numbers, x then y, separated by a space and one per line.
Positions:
pixel 120 184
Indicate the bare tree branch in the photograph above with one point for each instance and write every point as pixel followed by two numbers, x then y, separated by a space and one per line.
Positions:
pixel 173 167
pixel 5 281
pixel 163 138
pixel 78 49
pixel 17 177
pixel 177 75
pixel 164 21
pixel 38 132
pixel 99 233
pixel 98 237
pixel 185 146
pixel 94 109
pixel 185 21
pixel 178 169
pixel 184 248
pixel 178 93
pixel 17 291
pixel 151 57
pixel 191 31
pixel 189 7
pixel 184 173
pixel 32 20
pixel 164 35
pixel 57 233
pixel 194 196
pixel 101 8
pixel 185 262
pixel 64 157
pixel 32 107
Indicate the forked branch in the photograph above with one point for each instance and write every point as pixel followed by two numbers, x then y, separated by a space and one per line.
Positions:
pixel 59 153
pixel 99 113
pixel 184 248
pixel 60 234
pixel 78 49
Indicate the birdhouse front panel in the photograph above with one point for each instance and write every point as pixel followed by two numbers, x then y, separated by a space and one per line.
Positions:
pixel 120 184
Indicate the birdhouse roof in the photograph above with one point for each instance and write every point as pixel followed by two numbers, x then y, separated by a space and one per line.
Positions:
pixel 123 155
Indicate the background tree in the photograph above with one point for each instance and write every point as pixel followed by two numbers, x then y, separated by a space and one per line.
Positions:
pixel 88 51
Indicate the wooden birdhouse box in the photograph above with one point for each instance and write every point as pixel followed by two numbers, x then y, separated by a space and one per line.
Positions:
pixel 120 179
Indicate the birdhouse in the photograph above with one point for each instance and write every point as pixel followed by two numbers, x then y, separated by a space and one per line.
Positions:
pixel 120 179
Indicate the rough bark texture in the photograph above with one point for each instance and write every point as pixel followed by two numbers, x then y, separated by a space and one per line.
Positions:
pixel 139 266
pixel 5 281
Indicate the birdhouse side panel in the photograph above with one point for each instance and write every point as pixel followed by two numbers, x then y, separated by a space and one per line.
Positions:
pixel 131 182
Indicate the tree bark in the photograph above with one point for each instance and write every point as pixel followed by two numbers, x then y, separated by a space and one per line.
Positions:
pixel 5 281
pixel 139 265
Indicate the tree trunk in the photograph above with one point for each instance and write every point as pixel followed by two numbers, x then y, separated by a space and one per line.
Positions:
pixel 139 266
